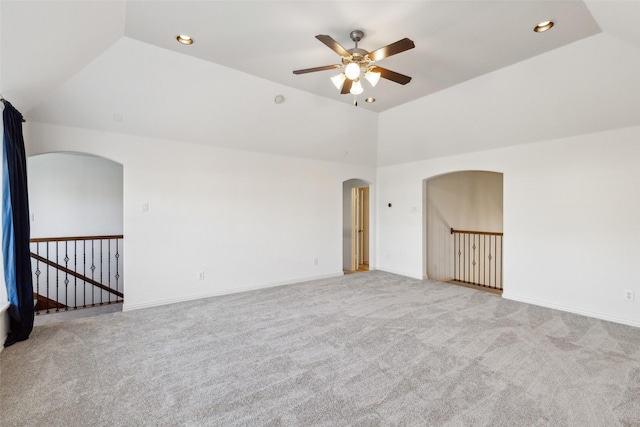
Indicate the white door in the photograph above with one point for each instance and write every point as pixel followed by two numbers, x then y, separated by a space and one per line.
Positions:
pixel 360 225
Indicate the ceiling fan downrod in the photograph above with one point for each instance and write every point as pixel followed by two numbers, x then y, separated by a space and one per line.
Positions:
pixel 356 36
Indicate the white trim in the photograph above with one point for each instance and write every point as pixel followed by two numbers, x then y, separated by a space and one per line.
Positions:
pixel 130 307
pixel 574 310
pixel 401 273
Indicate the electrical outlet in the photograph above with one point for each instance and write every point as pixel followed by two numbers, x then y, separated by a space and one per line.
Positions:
pixel 628 295
pixel 201 275
pixel 315 261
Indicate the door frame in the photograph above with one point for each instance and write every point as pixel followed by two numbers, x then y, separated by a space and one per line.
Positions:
pixel 359 226
pixel 348 237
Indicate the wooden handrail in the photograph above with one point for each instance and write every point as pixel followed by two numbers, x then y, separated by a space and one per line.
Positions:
pixel 486 233
pixel 78 275
pixel 62 239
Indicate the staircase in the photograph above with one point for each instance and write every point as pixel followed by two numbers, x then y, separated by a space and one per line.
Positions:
pixel 42 303
pixel 477 259
pixel 76 272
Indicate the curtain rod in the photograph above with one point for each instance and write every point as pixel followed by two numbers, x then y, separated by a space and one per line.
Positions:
pixel 5 102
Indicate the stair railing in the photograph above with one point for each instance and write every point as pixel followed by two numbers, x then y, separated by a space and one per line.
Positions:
pixel 477 258
pixel 76 272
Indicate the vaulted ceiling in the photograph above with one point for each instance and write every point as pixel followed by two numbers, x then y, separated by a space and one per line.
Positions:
pixel 116 66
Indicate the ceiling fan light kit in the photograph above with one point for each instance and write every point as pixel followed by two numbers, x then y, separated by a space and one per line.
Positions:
pixel 372 77
pixel 358 62
pixel 338 80
pixel 352 70
pixel 356 87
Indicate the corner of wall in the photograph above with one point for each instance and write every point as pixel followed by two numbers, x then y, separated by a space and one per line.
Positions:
pixel 571 309
pixel 4 323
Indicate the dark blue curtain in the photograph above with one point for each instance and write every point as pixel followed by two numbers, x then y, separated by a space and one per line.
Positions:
pixel 15 228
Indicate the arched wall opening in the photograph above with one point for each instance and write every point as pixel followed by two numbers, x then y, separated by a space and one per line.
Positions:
pixel 75 194
pixel 76 221
pixel 356 226
pixel 462 200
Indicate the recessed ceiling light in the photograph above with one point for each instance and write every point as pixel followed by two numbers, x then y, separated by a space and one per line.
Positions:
pixel 279 99
pixel 370 100
pixel 543 26
pixel 184 39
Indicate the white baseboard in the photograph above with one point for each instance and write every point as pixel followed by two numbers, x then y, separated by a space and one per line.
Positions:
pixel 570 309
pixel 402 273
pixel 215 293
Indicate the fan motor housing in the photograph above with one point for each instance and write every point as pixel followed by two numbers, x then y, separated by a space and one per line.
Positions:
pixel 359 56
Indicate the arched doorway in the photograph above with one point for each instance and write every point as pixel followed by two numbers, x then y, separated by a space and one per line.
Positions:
pixel 76 207
pixel 469 201
pixel 75 194
pixel 355 225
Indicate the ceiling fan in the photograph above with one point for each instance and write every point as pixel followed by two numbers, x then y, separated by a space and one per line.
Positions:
pixel 357 62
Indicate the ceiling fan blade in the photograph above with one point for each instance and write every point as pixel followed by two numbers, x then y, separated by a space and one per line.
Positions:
pixel 313 70
pixel 334 45
pixel 346 87
pixel 392 75
pixel 392 49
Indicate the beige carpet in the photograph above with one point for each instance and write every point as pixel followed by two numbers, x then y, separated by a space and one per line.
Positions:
pixel 65 316
pixel 365 349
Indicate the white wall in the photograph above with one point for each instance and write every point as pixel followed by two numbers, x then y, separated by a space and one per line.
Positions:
pixel 74 195
pixel 467 200
pixel 571 220
pixel 246 219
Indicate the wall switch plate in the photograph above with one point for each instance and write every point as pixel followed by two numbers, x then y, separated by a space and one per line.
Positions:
pixel 145 206
pixel 201 275
pixel 315 261
pixel 628 295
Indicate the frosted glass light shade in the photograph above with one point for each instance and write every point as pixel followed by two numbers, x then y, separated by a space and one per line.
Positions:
pixel 356 87
pixel 352 71
pixel 372 77
pixel 338 80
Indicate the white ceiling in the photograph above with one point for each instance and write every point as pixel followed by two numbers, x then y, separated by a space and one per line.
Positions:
pixel 455 40
pixel 115 65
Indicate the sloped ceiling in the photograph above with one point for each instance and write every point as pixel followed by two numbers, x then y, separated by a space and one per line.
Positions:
pixel 115 66
pixel 589 86
pixel 44 43
pixel 153 92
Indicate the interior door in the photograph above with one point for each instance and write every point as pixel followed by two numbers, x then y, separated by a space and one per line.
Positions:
pixel 355 228
pixel 360 228
pixel 361 209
